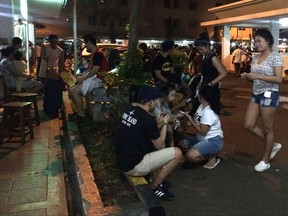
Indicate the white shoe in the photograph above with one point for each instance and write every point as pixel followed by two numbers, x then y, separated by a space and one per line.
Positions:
pixel 211 166
pixel 261 166
pixel 275 149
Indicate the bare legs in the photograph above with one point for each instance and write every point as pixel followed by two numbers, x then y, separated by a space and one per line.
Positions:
pixel 193 156
pixel 170 136
pixel 75 94
pixel 267 114
pixel 161 174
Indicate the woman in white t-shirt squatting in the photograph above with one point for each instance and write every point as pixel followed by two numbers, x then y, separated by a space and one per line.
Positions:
pixel 209 140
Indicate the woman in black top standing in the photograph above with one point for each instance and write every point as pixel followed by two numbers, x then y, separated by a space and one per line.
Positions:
pixel 212 71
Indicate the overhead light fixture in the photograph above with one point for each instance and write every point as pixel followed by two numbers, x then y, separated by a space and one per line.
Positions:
pixel 283 21
pixel 64 3
pixel 24 9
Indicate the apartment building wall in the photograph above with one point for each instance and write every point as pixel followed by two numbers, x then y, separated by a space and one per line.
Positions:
pixel 111 16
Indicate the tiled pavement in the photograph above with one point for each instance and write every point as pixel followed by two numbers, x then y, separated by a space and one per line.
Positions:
pixel 31 176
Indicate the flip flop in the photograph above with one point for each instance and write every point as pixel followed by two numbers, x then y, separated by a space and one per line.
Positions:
pixel 217 161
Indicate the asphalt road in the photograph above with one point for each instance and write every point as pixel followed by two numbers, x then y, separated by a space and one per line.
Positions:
pixel 233 187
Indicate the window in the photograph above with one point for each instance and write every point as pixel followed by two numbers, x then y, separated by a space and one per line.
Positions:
pixel 176 24
pixel 122 21
pixel 193 5
pixel 167 23
pixel 149 23
pixel 150 3
pixel 166 3
pixel 192 24
pixel 103 20
pixel 92 20
pixel 124 2
pixel 176 4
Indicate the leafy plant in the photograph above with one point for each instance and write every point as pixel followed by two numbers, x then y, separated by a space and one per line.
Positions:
pixel 180 60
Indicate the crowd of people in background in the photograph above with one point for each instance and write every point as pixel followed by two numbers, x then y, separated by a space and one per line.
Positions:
pixel 151 140
pixel 143 145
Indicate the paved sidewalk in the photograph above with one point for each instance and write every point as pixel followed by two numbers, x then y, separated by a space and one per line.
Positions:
pixel 31 176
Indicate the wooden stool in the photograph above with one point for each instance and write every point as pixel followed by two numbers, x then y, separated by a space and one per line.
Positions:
pixel 7 93
pixel 16 121
pixel 31 97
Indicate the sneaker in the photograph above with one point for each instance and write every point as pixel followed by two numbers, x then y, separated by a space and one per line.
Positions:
pixel 163 193
pixel 212 165
pixel 165 184
pixel 275 149
pixel 261 166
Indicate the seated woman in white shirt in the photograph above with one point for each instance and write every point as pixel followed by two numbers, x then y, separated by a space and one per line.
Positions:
pixel 209 139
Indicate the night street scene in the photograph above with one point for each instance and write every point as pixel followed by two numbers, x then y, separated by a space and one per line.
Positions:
pixel 152 107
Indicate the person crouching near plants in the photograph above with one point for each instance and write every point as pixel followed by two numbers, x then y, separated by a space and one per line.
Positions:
pixel 163 107
pixel 209 140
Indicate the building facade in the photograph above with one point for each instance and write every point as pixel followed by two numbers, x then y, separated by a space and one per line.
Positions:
pixel 177 19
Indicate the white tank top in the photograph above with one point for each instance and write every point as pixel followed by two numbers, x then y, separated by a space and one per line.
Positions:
pixel 53 55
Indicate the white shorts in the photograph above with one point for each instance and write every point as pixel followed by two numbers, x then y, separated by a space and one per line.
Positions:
pixel 153 161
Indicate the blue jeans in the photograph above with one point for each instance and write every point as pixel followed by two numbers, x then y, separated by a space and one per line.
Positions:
pixel 207 147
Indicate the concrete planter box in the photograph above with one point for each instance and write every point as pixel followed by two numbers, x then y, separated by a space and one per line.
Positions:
pixel 88 197
pixel 98 98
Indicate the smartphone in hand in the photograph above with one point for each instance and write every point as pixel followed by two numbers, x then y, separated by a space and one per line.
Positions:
pixel 188 100
pixel 184 113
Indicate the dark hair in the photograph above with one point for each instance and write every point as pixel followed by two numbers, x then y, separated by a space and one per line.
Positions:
pixel 52 38
pixel 167 45
pixel 266 34
pixel 203 40
pixel 166 89
pixel 5 52
pixel 16 40
pixel 208 93
pixel 89 38
pixel 17 55
pixel 143 46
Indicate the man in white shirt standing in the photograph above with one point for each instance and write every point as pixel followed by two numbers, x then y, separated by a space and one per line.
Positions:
pixel 237 59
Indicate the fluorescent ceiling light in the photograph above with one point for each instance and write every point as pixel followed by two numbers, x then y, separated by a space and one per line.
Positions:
pixel 283 21
pixel 24 10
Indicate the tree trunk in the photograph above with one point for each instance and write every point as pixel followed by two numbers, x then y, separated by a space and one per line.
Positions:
pixel 133 33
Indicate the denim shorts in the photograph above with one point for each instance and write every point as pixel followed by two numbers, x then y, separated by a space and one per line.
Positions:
pixel 264 101
pixel 207 147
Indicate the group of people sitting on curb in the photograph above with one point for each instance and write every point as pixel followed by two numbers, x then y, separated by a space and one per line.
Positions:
pixel 148 141
pixel 151 140
pixel 143 142
pixel 143 146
